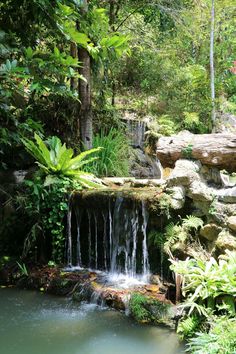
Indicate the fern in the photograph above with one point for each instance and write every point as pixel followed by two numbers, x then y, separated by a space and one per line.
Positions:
pixel 192 222
pixel 174 234
pixel 188 326
pixel 157 238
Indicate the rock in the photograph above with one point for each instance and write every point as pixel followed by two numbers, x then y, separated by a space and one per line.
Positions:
pixel 119 181
pixel 211 175
pixel 155 279
pixel 216 150
pixel 177 197
pixel 140 183
pixel 200 191
pixel 227 180
pixel 143 165
pixel 156 182
pixel 225 241
pixel 231 222
pixel 221 211
pixel 210 231
pixel 227 195
pixel 184 173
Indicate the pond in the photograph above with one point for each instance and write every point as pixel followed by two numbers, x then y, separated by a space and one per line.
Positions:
pixel 35 323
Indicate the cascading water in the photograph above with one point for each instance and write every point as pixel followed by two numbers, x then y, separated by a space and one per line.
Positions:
pixel 111 238
pixel 136 131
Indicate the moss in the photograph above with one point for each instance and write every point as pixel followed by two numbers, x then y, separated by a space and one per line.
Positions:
pixel 148 310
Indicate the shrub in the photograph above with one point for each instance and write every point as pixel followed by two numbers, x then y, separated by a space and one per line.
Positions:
pixel 221 338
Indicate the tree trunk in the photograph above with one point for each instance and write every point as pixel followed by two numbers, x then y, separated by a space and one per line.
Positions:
pixel 85 112
pixel 74 54
pixel 216 150
pixel 212 69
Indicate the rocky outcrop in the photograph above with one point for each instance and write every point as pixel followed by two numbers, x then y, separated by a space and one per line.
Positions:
pixel 210 231
pixel 184 173
pixel 216 206
pixel 217 150
pixel 143 165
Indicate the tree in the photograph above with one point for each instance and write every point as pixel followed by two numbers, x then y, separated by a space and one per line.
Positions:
pixel 85 111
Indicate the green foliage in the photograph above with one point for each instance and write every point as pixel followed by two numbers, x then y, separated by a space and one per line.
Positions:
pixel 165 204
pixel 210 289
pixel 188 326
pixel 57 161
pixel 147 310
pixel 187 151
pixel 221 338
pixel 49 193
pixel 157 238
pixel 164 125
pixel 176 234
pixel 208 283
pixel 113 155
pixel 138 311
pixel 23 269
pixel 47 207
pixel 192 222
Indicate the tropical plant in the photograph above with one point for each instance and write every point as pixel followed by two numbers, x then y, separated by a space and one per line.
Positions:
pixel 49 192
pixel 209 284
pixel 23 269
pixel 192 222
pixel 188 326
pixel 57 160
pixel 176 234
pixel 113 157
pixel 220 339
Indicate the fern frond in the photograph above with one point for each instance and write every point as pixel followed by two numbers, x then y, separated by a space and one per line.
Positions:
pixel 192 222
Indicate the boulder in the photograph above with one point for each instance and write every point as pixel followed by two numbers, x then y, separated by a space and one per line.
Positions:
pixel 184 173
pixel 227 195
pixel 177 197
pixel 227 179
pixel 211 175
pixel 210 231
pixel 200 191
pixel 225 241
pixel 231 222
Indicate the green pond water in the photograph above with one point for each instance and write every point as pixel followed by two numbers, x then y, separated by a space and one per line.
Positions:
pixel 35 323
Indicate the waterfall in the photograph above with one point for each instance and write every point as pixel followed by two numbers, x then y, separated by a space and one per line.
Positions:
pixel 78 253
pixel 111 237
pixel 89 239
pixel 145 261
pixel 136 131
pixel 69 242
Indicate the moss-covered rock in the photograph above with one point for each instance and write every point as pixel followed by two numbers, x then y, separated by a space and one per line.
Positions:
pixel 225 241
pixel 148 310
pixel 210 231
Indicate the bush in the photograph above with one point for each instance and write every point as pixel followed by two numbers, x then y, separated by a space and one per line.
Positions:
pixel 221 338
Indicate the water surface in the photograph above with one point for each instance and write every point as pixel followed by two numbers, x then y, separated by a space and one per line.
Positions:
pixel 35 323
